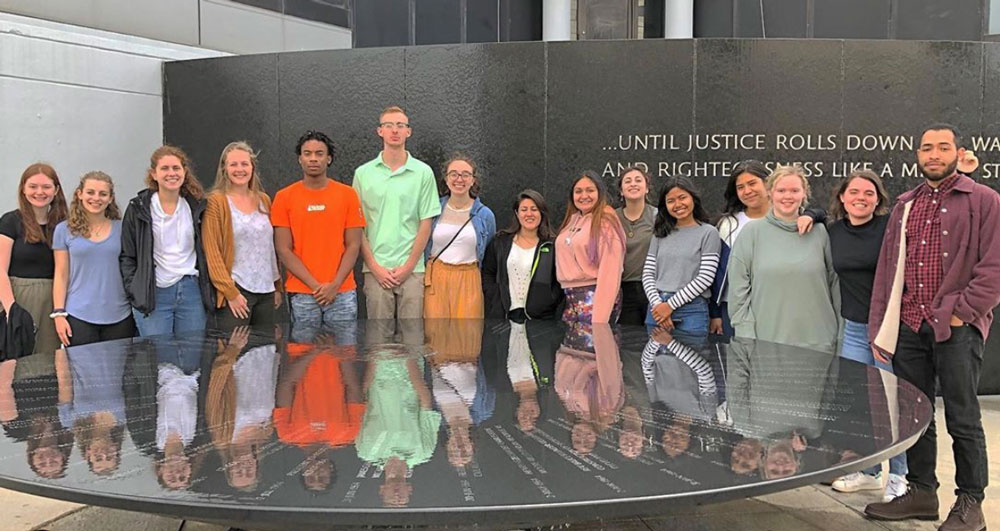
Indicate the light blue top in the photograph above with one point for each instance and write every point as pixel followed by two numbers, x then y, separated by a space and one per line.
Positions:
pixel 95 293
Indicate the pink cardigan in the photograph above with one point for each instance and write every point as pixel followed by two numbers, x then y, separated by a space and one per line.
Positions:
pixel 580 264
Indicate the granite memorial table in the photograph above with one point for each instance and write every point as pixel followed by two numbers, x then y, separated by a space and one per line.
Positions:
pixel 440 422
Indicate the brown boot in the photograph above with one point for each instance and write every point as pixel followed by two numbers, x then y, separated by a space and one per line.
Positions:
pixel 916 503
pixel 965 515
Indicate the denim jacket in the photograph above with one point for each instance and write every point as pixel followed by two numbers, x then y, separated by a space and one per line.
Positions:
pixel 483 222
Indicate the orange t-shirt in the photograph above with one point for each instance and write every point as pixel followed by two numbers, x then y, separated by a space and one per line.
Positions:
pixel 319 412
pixel 318 219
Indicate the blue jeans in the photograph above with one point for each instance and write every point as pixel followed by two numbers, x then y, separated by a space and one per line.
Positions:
pixel 692 318
pixel 178 309
pixel 339 318
pixel 855 347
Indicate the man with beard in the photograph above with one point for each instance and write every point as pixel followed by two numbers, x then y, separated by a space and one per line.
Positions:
pixel 317 235
pixel 937 282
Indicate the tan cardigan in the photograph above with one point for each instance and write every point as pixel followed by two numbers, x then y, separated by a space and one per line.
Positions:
pixel 217 237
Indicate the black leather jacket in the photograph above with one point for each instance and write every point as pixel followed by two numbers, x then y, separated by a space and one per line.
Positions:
pixel 545 295
pixel 136 258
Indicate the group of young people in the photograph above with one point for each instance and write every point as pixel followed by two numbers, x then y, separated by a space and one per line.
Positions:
pixel 920 284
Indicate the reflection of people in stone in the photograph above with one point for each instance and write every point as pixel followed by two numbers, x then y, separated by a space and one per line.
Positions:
pixel 319 402
pixel 781 457
pixel 239 405
pixel 746 456
pixel 28 413
pixel 682 387
pixel 454 386
pixel 522 351
pixel 589 382
pixel 91 402
pixel 396 491
pixel 399 430
pixel 631 437
pixel 521 369
pixel 776 394
pixel 176 423
pixel 458 382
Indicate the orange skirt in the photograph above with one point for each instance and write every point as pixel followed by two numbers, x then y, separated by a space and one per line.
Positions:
pixel 453 292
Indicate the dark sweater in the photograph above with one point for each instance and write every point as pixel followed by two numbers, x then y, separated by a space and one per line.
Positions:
pixel 855 255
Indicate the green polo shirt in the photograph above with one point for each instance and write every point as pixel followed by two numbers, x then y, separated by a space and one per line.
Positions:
pixel 394 203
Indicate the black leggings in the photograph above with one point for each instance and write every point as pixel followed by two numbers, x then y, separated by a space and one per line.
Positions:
pixel 261 317
pixel 634 304
pixel 85 333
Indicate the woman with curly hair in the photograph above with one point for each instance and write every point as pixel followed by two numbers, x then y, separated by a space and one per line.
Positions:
pixel 162 261
pixel 459 237
pixel 638 216
pixel 87 289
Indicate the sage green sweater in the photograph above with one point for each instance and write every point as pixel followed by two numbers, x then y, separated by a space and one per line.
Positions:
pixel 782 286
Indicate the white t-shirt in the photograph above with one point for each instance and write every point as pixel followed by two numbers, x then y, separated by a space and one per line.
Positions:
pixel 741 221
pixel 462 250
pixel 173 243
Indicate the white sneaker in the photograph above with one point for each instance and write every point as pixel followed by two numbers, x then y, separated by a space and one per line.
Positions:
pixel 895 488
pixel 858 481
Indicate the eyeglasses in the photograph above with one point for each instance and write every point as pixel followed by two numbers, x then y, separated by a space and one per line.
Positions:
pixel 394 125
pixel 459 174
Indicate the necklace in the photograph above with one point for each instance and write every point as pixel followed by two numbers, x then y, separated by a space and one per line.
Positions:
pixel 96 231
pixel 453 209
pixel 631 227
pixel 631 222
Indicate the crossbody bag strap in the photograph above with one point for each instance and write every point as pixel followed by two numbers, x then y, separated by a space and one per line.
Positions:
pixel 445 248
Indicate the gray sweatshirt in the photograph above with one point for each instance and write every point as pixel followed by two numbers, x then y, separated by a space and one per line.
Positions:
pixel 782 286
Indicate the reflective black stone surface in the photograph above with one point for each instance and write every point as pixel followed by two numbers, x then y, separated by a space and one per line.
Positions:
pixel 440 422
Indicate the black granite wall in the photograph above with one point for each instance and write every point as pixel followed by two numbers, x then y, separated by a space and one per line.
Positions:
pixel 535 114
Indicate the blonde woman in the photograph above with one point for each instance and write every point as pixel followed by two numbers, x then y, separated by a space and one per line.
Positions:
pixel 782 284
pixel 87 289
pixel 239 243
